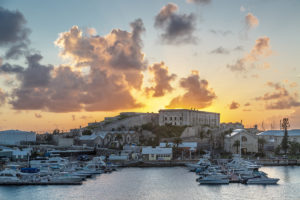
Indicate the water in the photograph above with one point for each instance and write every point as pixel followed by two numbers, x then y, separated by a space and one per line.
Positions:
pixel 160 184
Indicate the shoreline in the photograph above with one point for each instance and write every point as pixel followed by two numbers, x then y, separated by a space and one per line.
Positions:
pixel 265 162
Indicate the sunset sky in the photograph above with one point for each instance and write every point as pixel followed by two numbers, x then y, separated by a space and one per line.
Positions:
pixel 66 63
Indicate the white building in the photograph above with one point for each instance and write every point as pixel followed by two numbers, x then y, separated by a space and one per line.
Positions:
pixel 15 137
pixel 248 142
pixel 157 153
pixel 192 146
pixel 185 117
pixel 274 137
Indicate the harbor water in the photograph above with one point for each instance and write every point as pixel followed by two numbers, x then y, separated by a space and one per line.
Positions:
pixel 174 183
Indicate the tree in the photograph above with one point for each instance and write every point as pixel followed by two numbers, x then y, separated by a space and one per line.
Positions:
pixel 119 138
pixel 237 145
pixel 294 147
pixel 261 143
pixel 55 132
pixel 284 143
pixel 177 141
pixel 87 132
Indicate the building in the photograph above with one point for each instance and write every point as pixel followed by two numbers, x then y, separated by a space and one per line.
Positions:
pixel 125 121
pixel 185 117
pixel 157 153
pixel 248 141
pixel 15 137
pixel 109 138
pixel 273 138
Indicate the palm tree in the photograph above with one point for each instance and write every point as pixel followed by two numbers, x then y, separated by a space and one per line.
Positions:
pixel 237 145
pixel 261 143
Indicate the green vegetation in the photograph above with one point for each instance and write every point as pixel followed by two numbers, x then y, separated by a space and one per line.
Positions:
pixel 177 141
pixel 167 131
pixel 284 143
pixel 87 132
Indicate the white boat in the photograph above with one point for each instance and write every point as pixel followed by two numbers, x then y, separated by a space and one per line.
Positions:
pixel 203 162
pixel 214 179
pixel 263 180
pixel 9 176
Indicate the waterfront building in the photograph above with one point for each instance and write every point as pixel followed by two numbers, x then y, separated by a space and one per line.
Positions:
pixel 157 153
pixel 273 138
pixel 186 117
pixel 248 141
pixel 15 137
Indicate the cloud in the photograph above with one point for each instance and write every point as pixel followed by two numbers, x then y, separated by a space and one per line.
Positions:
pixel 293 84
pixel 73 117
pixel 3 97
pixel 117 53
pixel 220 32
pixel 115 65
pixel 251 21
pixel 197 95
pixel 10 69
pixel 247 104
pixel 261 49
pixel 239 48
pixel 295 118
pixel 280 98
pixel 161 80
pixel 37 115
pixel 234 105
pixel 199 2
pixel 242 9
pixel 177 28
pixel 220 50
pixel 13 33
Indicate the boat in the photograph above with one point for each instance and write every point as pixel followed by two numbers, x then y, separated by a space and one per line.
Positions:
pixel 9 175
pixel 213 179
pixel 202 163
pixel 263 180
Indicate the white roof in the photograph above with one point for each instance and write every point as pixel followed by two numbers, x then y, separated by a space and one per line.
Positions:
pixel 88 137
pixel 280 133
pixel 235 132
pixel 157 150
pixel 182 145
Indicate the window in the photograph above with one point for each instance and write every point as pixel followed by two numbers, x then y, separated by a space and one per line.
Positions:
pixel 180 118
pixel 166 118
pixel 244 139
pixel 170 118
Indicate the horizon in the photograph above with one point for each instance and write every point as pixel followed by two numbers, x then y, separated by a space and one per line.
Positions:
pixel 62 67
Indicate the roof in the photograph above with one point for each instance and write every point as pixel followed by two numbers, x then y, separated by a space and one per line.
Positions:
pixel 235 132
pixel 15 132
pixel 182 145
pixel 157 150
pixel 280 133
pixel 176 110
pixel 88 137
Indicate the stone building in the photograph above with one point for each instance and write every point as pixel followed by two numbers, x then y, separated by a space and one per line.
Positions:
pixel 273 138
pixel 109 138
pixel 248 141
pixel 185 117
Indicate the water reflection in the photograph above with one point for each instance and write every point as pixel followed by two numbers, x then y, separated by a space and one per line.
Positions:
pixel 161 183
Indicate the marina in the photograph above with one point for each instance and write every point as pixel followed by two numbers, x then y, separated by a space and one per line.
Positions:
pixel 160 183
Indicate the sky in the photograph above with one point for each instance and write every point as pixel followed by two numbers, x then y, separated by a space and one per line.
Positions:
pixel 66 63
